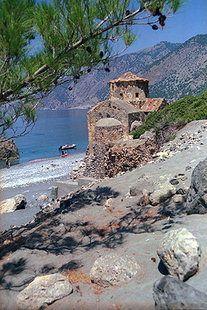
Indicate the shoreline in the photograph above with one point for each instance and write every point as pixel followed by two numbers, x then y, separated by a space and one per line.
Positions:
pixel 33 179
pixel 66 109
pixel 36 172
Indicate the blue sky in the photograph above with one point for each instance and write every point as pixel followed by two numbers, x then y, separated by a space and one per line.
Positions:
pixel 190 20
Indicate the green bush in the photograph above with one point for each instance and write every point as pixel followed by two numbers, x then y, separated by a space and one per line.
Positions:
pixel 182 111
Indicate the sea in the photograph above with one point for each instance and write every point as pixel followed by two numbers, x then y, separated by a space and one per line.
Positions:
pixel 40 164
pixel 52 129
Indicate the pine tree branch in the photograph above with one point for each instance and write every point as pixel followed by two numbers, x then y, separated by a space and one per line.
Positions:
pixel 8 93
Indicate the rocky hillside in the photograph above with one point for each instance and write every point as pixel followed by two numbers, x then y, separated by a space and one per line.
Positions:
pixel 108 245
pixel 181 112
pixel 174 70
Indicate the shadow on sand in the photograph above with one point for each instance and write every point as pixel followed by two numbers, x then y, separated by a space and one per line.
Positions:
pixel 44 233
pixel 50 234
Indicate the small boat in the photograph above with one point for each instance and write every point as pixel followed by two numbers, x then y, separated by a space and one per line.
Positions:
pixel 65 155
pixel 67 147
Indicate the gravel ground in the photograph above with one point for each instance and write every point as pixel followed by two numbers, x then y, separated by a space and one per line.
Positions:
pixel 37 171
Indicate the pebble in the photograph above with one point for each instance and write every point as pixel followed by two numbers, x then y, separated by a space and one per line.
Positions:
pixel 188 168
pixel 178 198
pixel 174 182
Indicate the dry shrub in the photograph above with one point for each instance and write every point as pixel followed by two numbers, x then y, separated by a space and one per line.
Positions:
pixel 76 276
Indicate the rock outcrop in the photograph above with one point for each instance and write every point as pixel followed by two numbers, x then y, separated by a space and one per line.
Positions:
pixel 197 195
pixel 12 204
pixel 173 294
pixel 44 290
pixel 180 253
pixel 112 269
pixel 135 125
pixel 8 150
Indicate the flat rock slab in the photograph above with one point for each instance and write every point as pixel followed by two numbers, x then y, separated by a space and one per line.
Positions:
pixel 44 290
pixel 66 187
pixel 112 269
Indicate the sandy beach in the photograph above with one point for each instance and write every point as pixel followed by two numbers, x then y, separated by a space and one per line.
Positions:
pixel 27 178
pixel 33 179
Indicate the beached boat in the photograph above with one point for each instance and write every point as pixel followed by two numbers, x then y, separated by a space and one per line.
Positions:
pixel 65 155
pixel 67 147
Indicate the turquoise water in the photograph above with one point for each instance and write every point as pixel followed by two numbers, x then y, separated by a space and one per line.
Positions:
pixel 52 129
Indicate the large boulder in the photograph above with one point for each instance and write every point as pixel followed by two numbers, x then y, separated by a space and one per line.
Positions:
pixel 113 269
pixel 197 195
pixel 173 294
pixel 17 202
pixel 44 290
pixel 180 253
pixel 160 195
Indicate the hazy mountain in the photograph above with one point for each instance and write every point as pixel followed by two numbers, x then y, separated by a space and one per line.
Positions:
pixel 174 70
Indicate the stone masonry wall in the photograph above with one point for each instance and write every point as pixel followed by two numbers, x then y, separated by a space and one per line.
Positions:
pixel 106 109
pixel 112 158
pixel 95 162
pixel 125 156
pixel 129 90
pixel 105 134
pixel 109 152
pixel 104 138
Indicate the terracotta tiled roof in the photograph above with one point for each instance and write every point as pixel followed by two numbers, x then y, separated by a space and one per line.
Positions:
pixel 146 105
pixel 122 104
pixel 152 104
pixel 129 76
